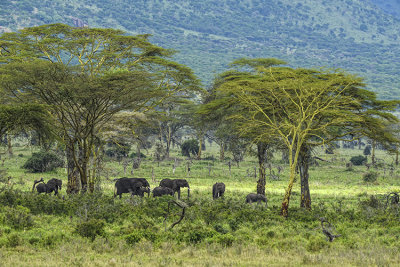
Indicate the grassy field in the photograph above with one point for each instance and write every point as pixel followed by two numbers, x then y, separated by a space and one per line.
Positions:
pixel 96 230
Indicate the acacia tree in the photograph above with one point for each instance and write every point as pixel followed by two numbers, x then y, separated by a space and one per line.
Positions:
pixel 86 76
pixel 221 105
pixel 299 107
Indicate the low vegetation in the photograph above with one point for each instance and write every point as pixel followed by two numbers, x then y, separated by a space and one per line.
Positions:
pixel 98 230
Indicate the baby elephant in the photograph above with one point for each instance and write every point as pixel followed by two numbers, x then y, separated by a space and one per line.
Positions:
pixel 218 190
pixel 250 198
pixel 161 191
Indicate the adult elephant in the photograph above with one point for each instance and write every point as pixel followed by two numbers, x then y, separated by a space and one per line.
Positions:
pixel 53 185
pixel 135 186
pixel 218 190
pixel 252 197
pixel 175 185
pixel 162 191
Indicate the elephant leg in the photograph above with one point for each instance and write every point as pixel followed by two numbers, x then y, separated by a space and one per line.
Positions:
pixel 179 193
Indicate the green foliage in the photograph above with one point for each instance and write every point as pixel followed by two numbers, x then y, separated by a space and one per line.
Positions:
pixel 91 228
pixel 139 234
pixel 14 240
pixel 18 218
pixel 358 160
pixel 134 155
pixel 43 162
pixel 118 151
pixel 316 243
pixel 367 150
pixel 190 147
pixel 370 177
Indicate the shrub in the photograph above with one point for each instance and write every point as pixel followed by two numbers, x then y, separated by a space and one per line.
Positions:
pixel 358 160
pixel 118 151
pixel 43 162
pixel 315 244
pixel 367 150
pixel 91 228
pixel 18 218
pixel 370 177
pixel 14 240
pixel 198 234
pixel 134 155
pixel 138 235
pixel 190 147
pixel 225 240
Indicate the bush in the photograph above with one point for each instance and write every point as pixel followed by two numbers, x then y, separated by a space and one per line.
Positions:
pixel 190 147
pixel 91 228
pixel 370 177
pixel 14 240
pixel 43 162
pixel 315 244
pixel 134 155
pixel 358 160
pixel 367 150
pixel 138 235
pixel 118 151
pixel 18 218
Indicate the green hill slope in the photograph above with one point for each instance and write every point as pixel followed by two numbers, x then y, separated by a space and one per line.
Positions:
pixel 359 36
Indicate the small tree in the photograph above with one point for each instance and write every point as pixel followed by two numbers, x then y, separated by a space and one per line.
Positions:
pixel 190 147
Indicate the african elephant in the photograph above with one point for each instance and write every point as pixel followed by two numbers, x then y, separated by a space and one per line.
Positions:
pixel 135 186
pixel 52 185
pixel 250 198
pixel 161 191
pixel 175 184
pixel 218 190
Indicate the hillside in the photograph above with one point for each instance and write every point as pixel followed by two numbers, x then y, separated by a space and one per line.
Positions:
pixel 360 36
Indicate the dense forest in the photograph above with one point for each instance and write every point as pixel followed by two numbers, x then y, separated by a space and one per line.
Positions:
pixel 358 36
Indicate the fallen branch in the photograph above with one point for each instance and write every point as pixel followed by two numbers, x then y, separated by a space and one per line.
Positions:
pixel 328 231
pixel 180 204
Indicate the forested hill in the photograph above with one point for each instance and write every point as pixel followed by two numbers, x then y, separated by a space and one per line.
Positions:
pixel 360 36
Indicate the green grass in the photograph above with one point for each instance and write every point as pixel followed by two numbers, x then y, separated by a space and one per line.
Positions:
pixel 226 232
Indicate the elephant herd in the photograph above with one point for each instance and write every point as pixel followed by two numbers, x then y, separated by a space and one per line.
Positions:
pixel 139 186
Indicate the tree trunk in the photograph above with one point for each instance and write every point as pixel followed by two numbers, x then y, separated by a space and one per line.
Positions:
pixel 200 145
pixel 286 199
pixel 83 168
pixel 222 151
pixel 168 139
pixel 9 146
pixel 373 161
pixel 294 151
pixel 303 164
pixel 73 174
pixel 397 156
pixel 261 149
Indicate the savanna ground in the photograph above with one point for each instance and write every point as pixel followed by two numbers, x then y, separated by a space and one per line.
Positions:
pixel 96 230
